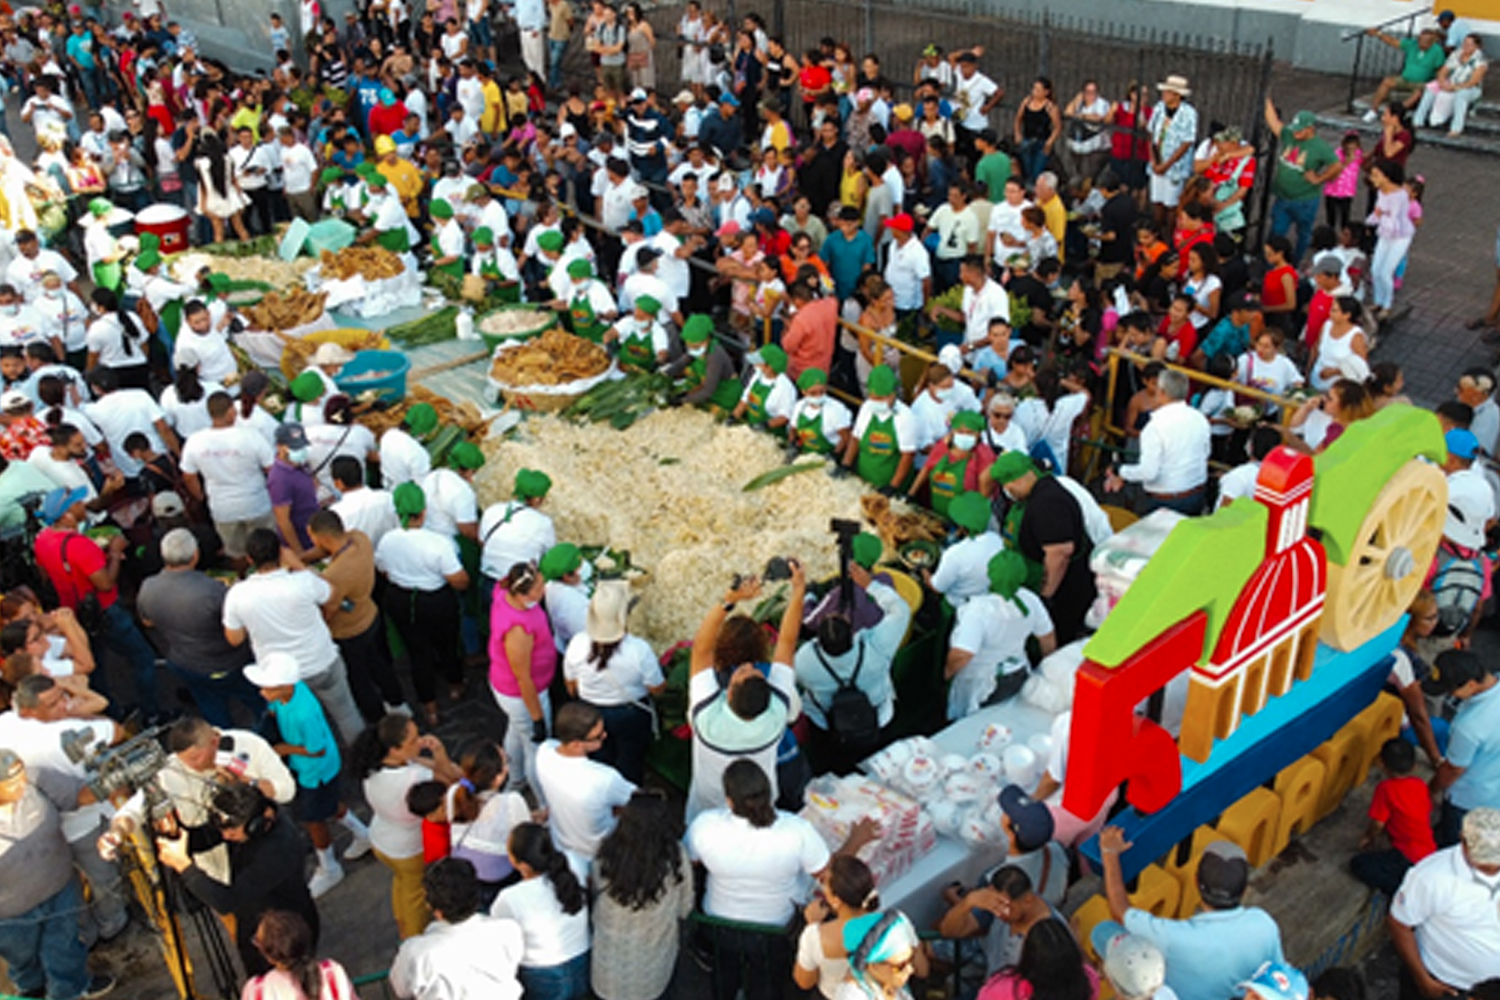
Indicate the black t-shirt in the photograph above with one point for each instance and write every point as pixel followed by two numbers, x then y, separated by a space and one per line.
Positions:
pixel 1035 293
pixel 1052 517
pixel 1119 217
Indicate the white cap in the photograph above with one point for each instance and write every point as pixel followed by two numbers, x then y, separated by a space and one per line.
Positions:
pixel 1469 500
pixel 14 401
pixel 638 94
pixel 951 358
pixel 273 670
pixel 568 131
pixel 1134 965
pixel 726 181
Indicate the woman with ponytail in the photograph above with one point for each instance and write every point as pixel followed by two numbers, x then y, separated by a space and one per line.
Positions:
pixel 845 891
pixel 387 759
pixel 56 408
pixel 284 939
pixel 884 953
pixel 481 817
pixel 117 340
pixel 249 412
pixel 185 401
pixel 550 906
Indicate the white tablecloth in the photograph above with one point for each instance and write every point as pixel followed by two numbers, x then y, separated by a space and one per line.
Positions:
pixel 918 893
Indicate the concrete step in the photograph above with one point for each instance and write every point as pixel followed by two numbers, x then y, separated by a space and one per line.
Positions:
pixel 1484 109
pixel 1478 137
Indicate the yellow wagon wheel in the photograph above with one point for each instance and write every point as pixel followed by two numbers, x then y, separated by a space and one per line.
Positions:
pixel 1389 557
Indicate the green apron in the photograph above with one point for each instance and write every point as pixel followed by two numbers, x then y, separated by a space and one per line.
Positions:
pixel 947 482
pixel 755 408
pixel 502 289
pixel 878 454
pixel 171 321
pixel 726 395
pixel 636 351
pixel 585 321
pixel 109 275
pixel 453 270
pixel 393 240
pixel 810 436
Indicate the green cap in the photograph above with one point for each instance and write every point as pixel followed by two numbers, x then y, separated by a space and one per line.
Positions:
pixel 475 192
pixel 550 241
pixel 970 511
pixel 440 209
pixel 149 241
pixel 484 236
pixel 365 169
pixel 1011 466
pixel 580 268
pixel 219 282
pixel 409 500
pixel 421 419
pixel 560 560
pixel 466 455
pixel 331 174
pixel 146 260
pixel 648 305
pixel 882 381
pixel 1303 120
pixel 774 358
pixel 375 179
pixel 867 549
pixel 531 484
pixel 968 420
pixel 1007 572
pixel 810 378
pixel 697 329
pixel 306 387
pixel 101 206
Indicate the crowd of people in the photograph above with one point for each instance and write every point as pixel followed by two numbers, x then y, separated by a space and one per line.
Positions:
pixel 776 238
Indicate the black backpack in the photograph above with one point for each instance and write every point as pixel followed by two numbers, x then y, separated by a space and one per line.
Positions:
pixel 849 713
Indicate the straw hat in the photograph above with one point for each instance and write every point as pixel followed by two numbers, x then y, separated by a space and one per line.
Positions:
pixel 1176 83
pixel 607 611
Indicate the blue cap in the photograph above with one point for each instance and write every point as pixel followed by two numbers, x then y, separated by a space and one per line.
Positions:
pixel 56 503
pixel 1276 981
pixel 1031 820
pixel 729 99
pixel 762 217
pixel 1462 443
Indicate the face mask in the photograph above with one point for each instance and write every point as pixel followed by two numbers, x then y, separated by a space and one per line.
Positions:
pixel 965 442
pixel 297 456
pixel 941 395
pixel 1008 494
pixel 814 404
pixel 880 409
pixel 10 310
pixel 52 293
pixel 578 286
pixel 697 352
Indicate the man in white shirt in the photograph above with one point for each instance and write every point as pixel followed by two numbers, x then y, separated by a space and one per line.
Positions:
pixel 975 94
pixel 402 457
pixel 464 953
pixel 118 413
pixel 299 168
pixel 515 530
pixel 47 111
pixel 32 262
pixel 1175 445
pixel 360 507
pixel 61 462
pixel 226 465
pixel 1476 388
pixel 615 202
pixel 958 233
pixel 1444 922
pixel 280 611
pixel 581 795
pixel 983 300
pixel 908 269
pixel 1239 482
pixel 1006 236
pixel 987 660
pixel 963 570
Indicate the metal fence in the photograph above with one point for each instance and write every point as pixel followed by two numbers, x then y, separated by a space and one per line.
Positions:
pixel 1229 79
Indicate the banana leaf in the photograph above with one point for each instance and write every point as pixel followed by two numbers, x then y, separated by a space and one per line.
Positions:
pixel 777 475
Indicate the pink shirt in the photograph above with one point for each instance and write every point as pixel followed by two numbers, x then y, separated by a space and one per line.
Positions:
pixel 532 621
pixel 1347 182
pixel 1006 985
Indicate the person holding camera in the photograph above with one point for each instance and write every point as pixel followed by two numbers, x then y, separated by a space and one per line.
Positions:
pixel 267 855
pixel 38 909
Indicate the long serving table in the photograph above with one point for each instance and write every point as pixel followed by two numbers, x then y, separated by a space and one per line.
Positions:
pixel 918 893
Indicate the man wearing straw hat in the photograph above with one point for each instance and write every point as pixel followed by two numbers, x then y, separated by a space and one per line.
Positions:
pixel 1173 131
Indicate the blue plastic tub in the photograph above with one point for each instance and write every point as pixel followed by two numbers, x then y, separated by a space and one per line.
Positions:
pixel 391 384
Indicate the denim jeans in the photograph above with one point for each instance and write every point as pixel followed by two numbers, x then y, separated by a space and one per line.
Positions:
pixel 1381 870
pixel 212 695
pixel 332 690
pixel 555 52
pixel 1033 157
pixel 119 634
pixel 1303 214
pixel 556 982
pixel 1450 825
pixel 42 947
pixel 1191 505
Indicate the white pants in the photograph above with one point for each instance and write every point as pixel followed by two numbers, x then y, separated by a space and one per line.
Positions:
pixel 518 746
pixel 1388 256
pixel 332 689
pixel 1164 190
pixel 534 52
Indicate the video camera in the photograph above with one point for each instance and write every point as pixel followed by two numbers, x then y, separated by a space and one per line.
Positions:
pixel 128 767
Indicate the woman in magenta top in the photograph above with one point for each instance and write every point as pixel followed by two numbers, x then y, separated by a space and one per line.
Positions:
pixel 1050 967
pixel 523 658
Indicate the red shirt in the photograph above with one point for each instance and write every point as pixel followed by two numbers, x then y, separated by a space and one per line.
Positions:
pixel 1318 310
pixel 386 120
pixel 435 841
pixel 1273 288
pixel 814 79
pixel 84 557
pixel 810 336
pixel 1185 337
pixel 1404 805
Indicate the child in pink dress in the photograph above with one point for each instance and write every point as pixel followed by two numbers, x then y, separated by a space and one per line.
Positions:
pixel 1338 194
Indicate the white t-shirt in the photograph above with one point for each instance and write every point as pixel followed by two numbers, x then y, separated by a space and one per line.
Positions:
pixel 187 418
pixel 755 874
pixel 713 726
pixel 39 745
pixel 908 266
pixel 978 88
pixel 215 360
pixel 1275 376
pixel 552 936
pixel 402 459
pixel 810 956
pixel 297 168
pixel 417 558
pixel 104 339
pixel 325 442
pixel 66 473
pixel 907 436
pixel 489 833
pixel 990 302
pixel 581 797
pixel 367 510
pixel 232 463
pixel 510 533
pixel 1452 908
pixel 450 502
pixel 122 413
pixel 394 830
pixel 1005 219
pixel 964 569
pixel 26 273
pixel 567 610
pixel 632 669
pixel 1054 426
pixel 475 958
pixel 994 631
pixel 1238 483
pixel 282 612
pixel 65 317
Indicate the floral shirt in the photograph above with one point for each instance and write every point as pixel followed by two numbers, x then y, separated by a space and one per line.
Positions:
pixel 1170 133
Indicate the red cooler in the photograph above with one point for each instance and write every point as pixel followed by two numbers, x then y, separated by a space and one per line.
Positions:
pixel 169 222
